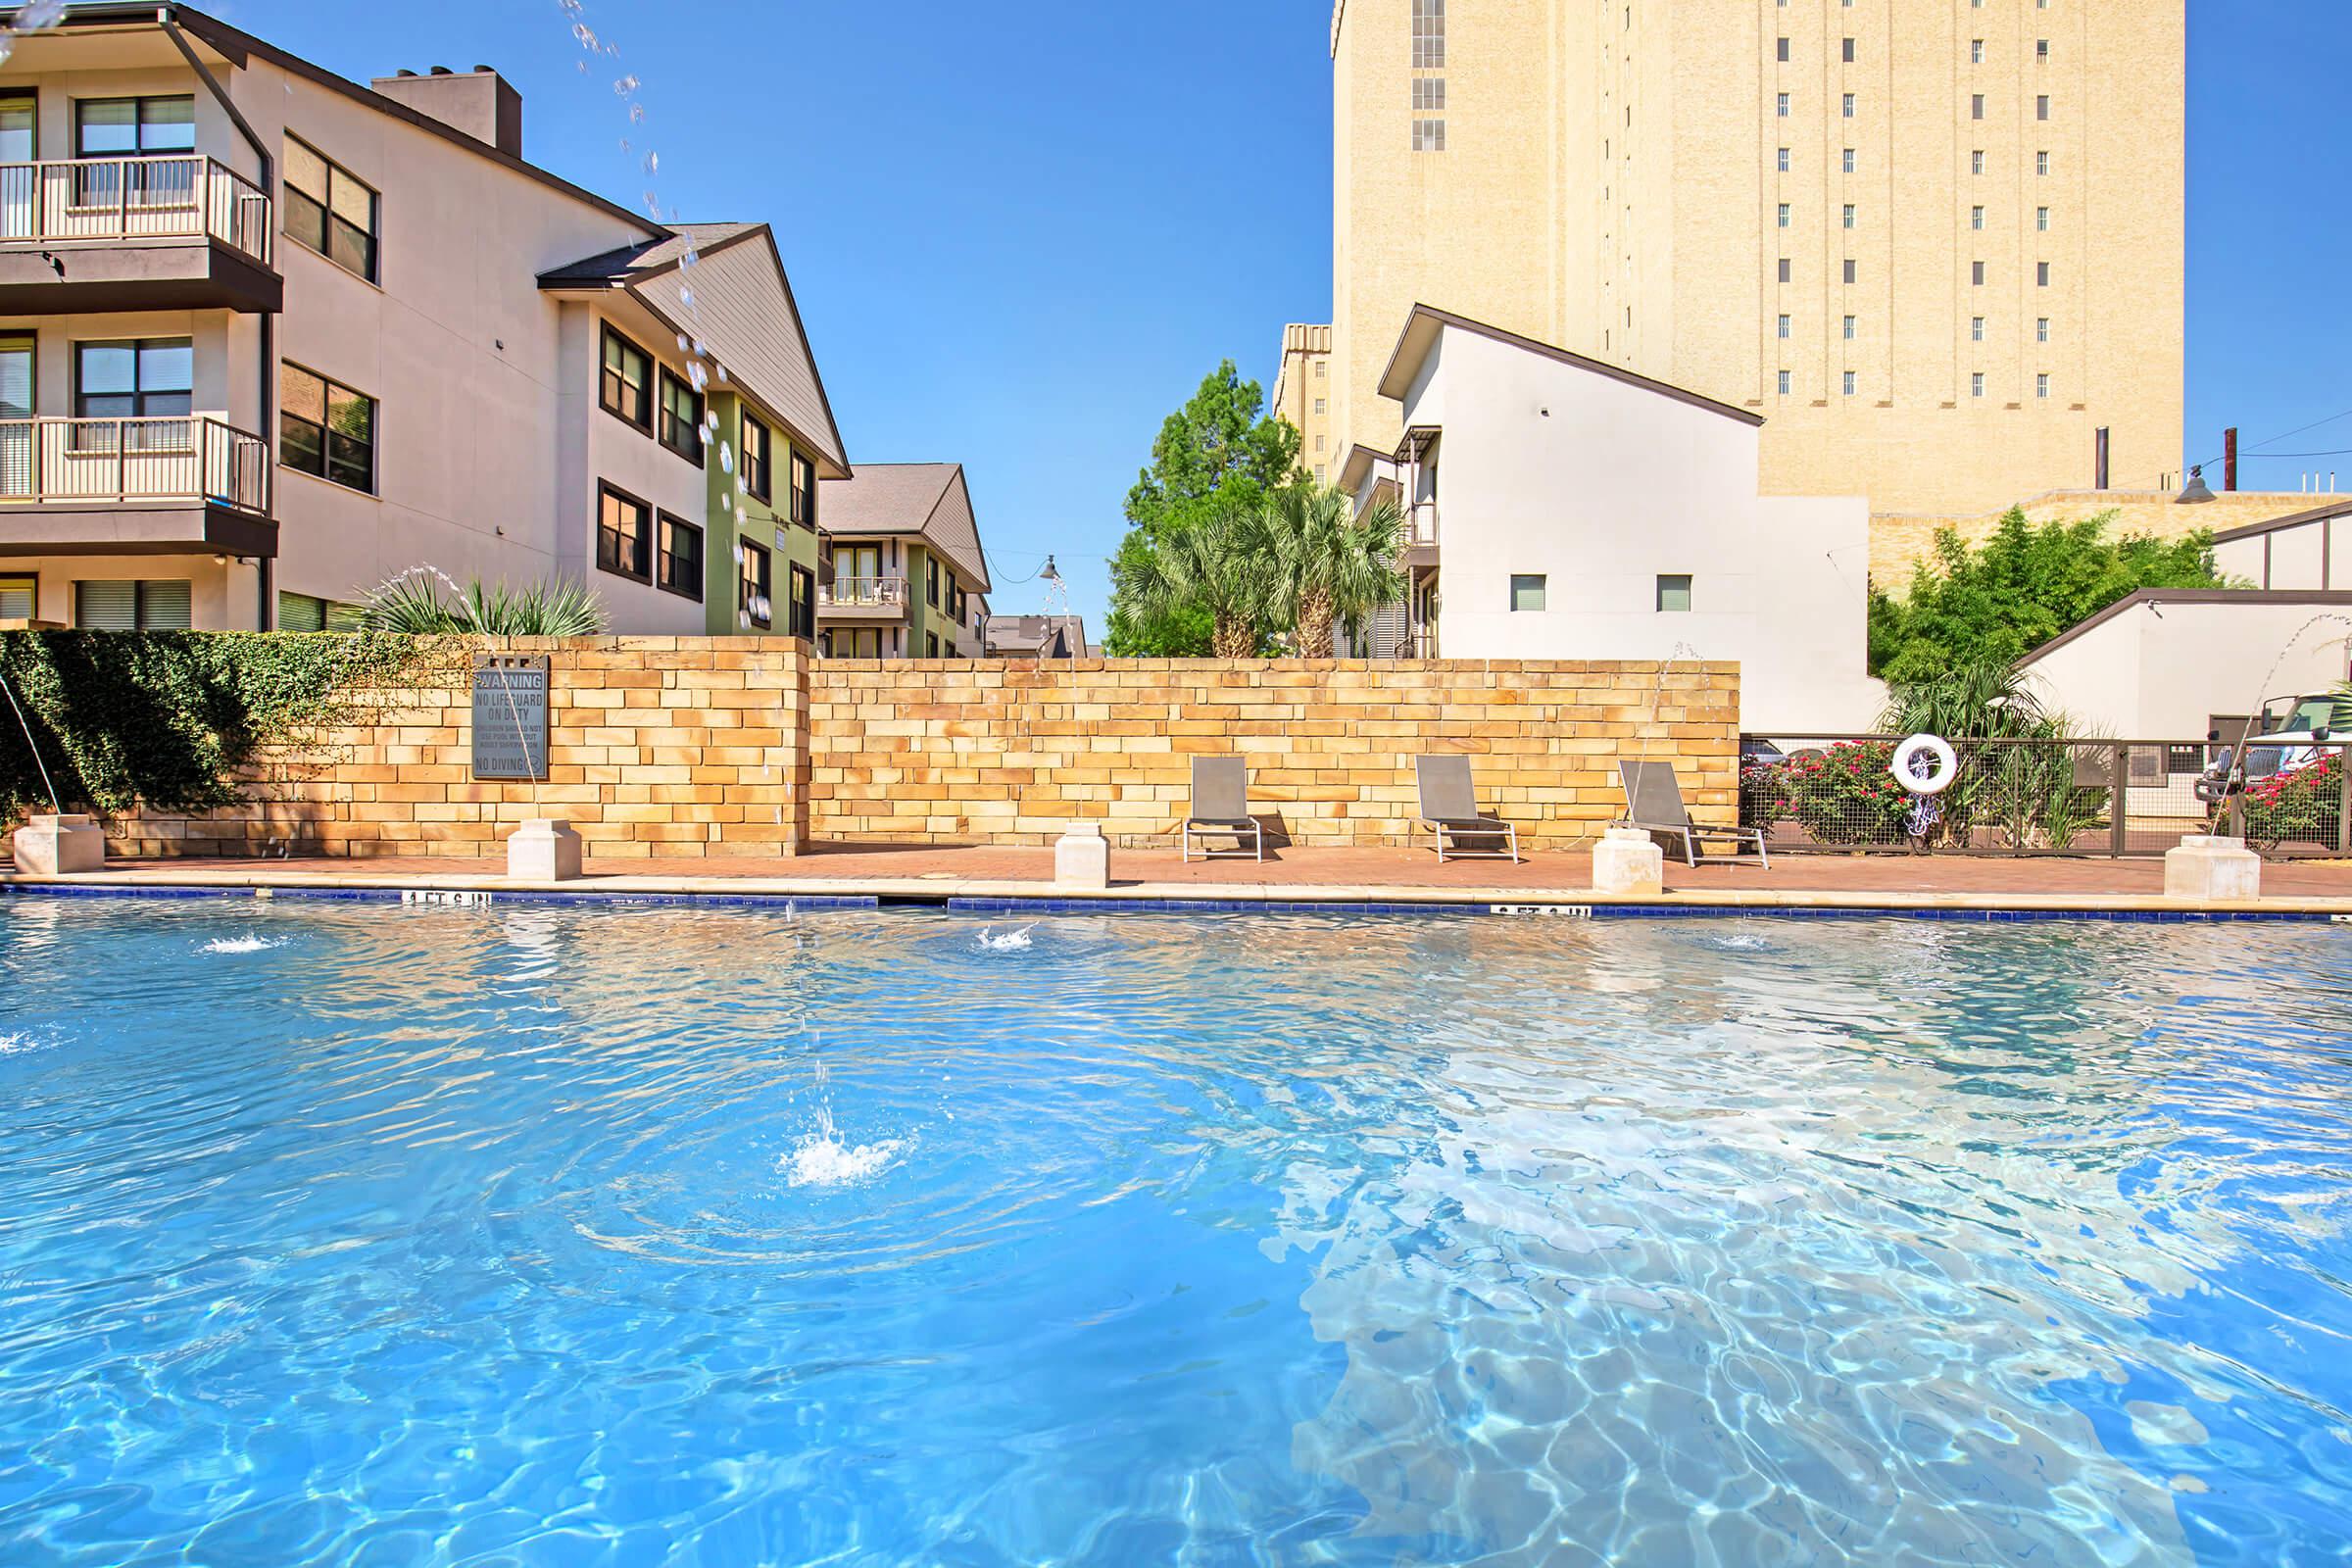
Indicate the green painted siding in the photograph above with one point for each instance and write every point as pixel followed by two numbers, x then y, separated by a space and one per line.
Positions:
pixel 734 514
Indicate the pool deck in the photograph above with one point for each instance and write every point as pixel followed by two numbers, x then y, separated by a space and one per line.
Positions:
pixel 929 874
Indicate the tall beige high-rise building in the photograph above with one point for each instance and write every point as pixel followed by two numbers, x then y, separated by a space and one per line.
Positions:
pixel 1936 243
pixel 1303 396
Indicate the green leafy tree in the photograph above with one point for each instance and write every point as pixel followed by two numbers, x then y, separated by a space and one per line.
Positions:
pixel 1222 565
pixel 1994 603
pixel 1218 450
pixel 1337 568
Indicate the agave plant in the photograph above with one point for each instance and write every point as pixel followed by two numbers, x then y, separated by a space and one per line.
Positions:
pixel 412 604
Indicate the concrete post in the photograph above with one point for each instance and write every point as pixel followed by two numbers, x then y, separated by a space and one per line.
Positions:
pixel 1082 860
pixel 1628 860
pixel 545 849
pixel 2211 868
pixel 58 846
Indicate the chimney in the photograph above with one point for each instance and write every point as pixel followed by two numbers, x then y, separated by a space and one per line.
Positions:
pixel 2098 460
pixel 2230 459
pixel 478 102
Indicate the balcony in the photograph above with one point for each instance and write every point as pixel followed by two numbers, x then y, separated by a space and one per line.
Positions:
pixel 862 599
pixel 99 234
pixel 133 487
pixel 1421 534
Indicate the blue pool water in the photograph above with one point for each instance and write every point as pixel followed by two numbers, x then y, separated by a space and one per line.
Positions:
pixel 554 1236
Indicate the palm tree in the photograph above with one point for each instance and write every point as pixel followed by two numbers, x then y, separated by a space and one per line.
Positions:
pixel 1222 562
pixel 1336 568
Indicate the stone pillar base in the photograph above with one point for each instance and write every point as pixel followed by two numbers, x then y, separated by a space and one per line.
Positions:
pixel 545 849
pixel 58 846
pixel 1082 861
pixel 2210 867
pixel 1627 860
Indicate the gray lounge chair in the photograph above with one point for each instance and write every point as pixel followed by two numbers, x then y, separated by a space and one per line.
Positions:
pixel 1654 803
pixel 1221 809
pixel 1450 810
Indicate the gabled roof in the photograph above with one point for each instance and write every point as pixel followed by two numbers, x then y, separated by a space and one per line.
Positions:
pixel 1426 322
pixel 737 301
pixel 929 499
pixel 2160 597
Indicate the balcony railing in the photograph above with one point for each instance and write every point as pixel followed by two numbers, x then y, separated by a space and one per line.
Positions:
pixel 863 593
pixel 192 459
pixel 1421 524
pixel 181 196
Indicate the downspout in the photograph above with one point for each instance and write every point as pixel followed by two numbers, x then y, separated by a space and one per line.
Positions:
pixel 265 566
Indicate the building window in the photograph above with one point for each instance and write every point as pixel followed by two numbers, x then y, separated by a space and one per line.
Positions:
pixel 625 530
pixel 1976 162
pixel 931 644
pixel 1849 51
pixel 1849 328
pixel 803 609
pixel 1527 591
pixel 1322 369
pixel 1845 162
pixel 1850 106
pixel 758 466
pixel 1976 274
pixel 803 490
pixel 1784 325
pixel 1674 593
pixel 1781 53
pixel 1429 34
pixel 931 580
pixel 19 597
pixel 1975 106
pixel 1849 269
pixel 2041 329
pixel 681 419
pixel 1428 135
pixel 1975 383
pixel 1976 51
pixel 627 387
pixel 2041 274
pixel 1975 329
pixel 325 428
pixel 135 379
pixel 330 209
pixel 1780 160
pixel 1780 104
pixel 2041 219
pixel 1848 215
pixel 1784 383
pixel 2042 51
pixel 679 563
pixel 1849 383
pixel 1319 404
pixel 1976 218
pixel 1784 214
pixel 1783 269
pixel 1429 93
pixel 160 604
pixel 2041 163
pixel 114 128
pixel 2041 105
pixel 2041 385
pixel 753 584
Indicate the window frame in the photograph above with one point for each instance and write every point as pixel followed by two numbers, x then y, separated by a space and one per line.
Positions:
pixel 763 584
pixel 664 556
pixel 139 125
pixel 1541 587
pixel 323 247
pixel 663 417
pixel 803 490
pixel 329 387
pixel 758 470
pixel 1666 583
pixel 607 490
pixel 613 335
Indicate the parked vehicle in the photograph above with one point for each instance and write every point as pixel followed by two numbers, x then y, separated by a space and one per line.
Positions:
pixel 2286 736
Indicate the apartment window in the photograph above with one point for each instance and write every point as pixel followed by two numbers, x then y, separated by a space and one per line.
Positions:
pixel 624 534
pixel 1782 54
pixel 2041 385
pixel 2041 274
pixel 2041 163
pixel 1319 444
pixel 678 563
pixel 1850 106
pixel 1976 51
pixel 1674 593
pixel 1976 162
pixel 931 643
pixel 1976 218
pixel 2041 329
pixel 1784 214
pixel 325 428
pixel 19 597
pixel 759 468
pixel 754 583
pixel 1845 162
pixel 1849 51
pixel 1783 269
pixel 1976 274
pixel 2042 51
pixel 1784 383
pixel 1429 34
pixel 1429 93
pixel 114 127
pixel 1784 325
pixel 2041 219
pixel 1849 269
pixel 1848 215
pixel 1975 329
pixel 803 609
pixel 2041 105
pixel 803 490
pixel 1780 160
pixel 1975 106
pixel 1527 591
pixel 931 580
pixel 330 209
pixel 1849 383
pixel 1428 135
pixel 1320 405
pixel 681 419
pixel 626 386
pixel 1322 369
pixel 1849 328
pixel 157 605
pixel 1781 104
pixel 1975 383
pixel 137 378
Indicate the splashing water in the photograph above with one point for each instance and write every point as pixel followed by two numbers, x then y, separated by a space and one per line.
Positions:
pixel 248 942
pixel 821 1159
pixel 1007 942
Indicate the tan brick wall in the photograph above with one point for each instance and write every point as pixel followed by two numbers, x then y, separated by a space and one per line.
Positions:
pixel 961 751
pixel 1900 540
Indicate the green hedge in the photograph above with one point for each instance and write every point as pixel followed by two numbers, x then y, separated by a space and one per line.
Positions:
pixel 167 718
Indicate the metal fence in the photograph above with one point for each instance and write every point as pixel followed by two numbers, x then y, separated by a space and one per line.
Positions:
pixel 2072 796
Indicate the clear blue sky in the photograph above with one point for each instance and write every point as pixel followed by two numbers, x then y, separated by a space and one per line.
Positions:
pixel 1021 236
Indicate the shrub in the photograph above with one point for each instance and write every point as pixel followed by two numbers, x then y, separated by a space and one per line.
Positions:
pixel 410 604
pixel 2297 804
pixel 1844 795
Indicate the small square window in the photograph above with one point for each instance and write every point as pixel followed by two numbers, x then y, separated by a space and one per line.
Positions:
pixel 1849 214
pixel 2041 49
pixel 2041 105
pixel 2041 274
pixel 2041 219
pixel 2041 385
pixel 1784 214
pixel 1527 591
pixel 1849 51
pixel 1975 106
pixel 1783 269
pixel 2041 163
pixel 2041 329
pixel 1674 593
pixel 1784 383
pixel 1976 51
pixel 1976 218
pixel 1783 323
pixel 1849 328
pixel 1976 274
pixel 1428 135
pixel 1781 104
pixel 1781 162
pixel 1850 106
pixel 1849 269
pixel 1976 162
pixel 1849 383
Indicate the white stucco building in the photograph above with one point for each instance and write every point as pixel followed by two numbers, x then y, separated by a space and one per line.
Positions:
pixel 1563 507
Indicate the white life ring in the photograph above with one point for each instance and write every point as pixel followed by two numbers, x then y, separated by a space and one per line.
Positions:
pixel 1947 765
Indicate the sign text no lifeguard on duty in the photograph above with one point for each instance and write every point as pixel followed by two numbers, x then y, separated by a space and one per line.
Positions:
pixel 509 716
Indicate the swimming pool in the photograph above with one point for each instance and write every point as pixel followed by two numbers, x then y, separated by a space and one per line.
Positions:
pixel 349 1234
